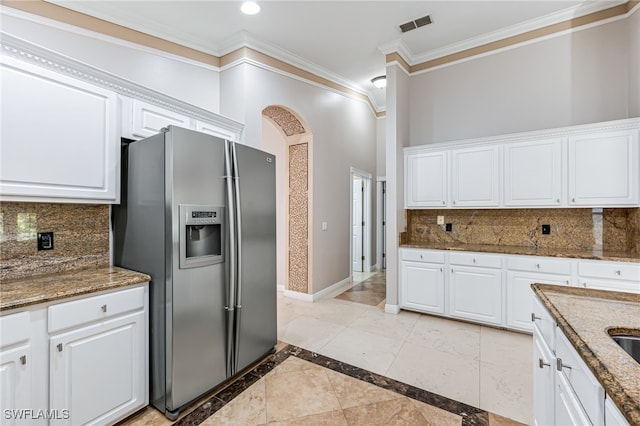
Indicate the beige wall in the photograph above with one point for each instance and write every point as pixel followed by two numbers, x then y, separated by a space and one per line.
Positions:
pixel 633 26
pixel 571 79
pixel 344 136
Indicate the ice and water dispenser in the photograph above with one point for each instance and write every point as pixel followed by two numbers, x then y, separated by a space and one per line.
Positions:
pixel 201 235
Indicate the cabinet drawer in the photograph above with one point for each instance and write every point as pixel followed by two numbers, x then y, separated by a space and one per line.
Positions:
pixel 423 256
pixel 539 264
pixel 70 314
pixel 475 259
pixel 14 328
pixel 610 270
pixel 589 391
pixel 544 324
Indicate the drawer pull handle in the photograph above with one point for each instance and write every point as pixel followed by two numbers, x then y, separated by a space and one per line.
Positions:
pixel 443 203
pixel 534 317
pixel 543 364
pixel 59 346
pixel 557 200
pixel 420 256
pixel 474 260
pixel 560 365
pixel 104 308
pixel 584 285
pixel 23 359
pixel 573 200
pixel 618 272
pixel 538 265
pixel 567 282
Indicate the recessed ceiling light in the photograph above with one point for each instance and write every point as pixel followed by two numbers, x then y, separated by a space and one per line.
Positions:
pixel 250 7
pixel 380 81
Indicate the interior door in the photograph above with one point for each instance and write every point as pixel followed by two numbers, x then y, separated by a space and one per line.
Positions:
pixel 356 234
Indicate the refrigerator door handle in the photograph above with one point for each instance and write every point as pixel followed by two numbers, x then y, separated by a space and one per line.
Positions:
pixel 232 259
pixel 238 236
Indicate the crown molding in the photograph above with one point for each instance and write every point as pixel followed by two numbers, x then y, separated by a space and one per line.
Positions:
pixel 46 58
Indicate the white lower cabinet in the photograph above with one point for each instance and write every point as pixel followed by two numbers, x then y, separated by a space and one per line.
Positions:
pixel 613 416
pixel 565 390
pixel 475 292
pixel 519 296
pixel 97 371
pixel 15 368
pixel 423 287
pixel 83 361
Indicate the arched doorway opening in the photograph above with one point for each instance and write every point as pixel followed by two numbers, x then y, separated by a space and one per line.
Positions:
pixel 285 135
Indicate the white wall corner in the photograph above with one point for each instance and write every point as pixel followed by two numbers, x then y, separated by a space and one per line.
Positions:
pixel 392 309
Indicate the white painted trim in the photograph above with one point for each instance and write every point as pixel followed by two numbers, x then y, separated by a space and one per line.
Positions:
pixel 298 296
pixel 280 288
pixel 48 59
pixel 52 23
pixel 392 309
pixel 628 123
pixel 331 291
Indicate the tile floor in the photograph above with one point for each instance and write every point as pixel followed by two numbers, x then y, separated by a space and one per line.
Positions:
pixel 423 355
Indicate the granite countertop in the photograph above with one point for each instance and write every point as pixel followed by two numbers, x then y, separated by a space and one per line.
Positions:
pixel 585 316
pixel 529 251
pixel 21 292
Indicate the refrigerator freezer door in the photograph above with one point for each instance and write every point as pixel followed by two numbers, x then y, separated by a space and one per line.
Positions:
pixel 255 328
pixel 196 323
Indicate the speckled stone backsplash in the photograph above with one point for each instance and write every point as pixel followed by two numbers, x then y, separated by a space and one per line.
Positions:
pixel 81 238
pixel 615 230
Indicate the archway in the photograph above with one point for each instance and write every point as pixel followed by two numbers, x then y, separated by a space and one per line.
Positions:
pixel 294 192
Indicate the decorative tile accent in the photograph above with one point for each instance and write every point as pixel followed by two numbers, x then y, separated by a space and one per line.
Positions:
pixel 360 394
pixel 288 122
pixel 298 217
pixel 571 229
pixel 81 238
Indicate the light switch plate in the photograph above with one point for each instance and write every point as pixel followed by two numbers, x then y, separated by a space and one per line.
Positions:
pixel 440 220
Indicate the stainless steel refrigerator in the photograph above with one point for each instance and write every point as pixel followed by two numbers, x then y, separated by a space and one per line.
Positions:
pixel 198 214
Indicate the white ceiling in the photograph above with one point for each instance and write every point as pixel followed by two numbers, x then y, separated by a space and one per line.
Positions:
pixel 340 40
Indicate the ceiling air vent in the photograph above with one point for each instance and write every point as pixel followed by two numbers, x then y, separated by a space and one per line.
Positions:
pixel 416 23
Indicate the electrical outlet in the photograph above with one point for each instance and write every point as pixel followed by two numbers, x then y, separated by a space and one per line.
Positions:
pixel 440 220
pixel 45 241
pixel 546 229
pixel 448 227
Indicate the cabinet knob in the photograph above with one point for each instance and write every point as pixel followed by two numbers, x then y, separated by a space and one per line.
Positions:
pixel 534 317
pixel 420 256
pixel 560 365
pixel 543 364
pixel 104 308
pixel 558 200
pixel 441 270
pixel 538 265
pixel 584 285
pixel 454 202
pixel 474 261
pixel 59 346
pixel 567 282
pixel 23 359
pixel 573 200
pixel 443 202
pixel 618 272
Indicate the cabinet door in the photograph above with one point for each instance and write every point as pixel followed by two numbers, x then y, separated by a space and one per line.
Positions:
pixel 15 386
pixel 543 382
pixel 98 372
pixel 422 286
pixel 59 137
pixel 568 410
pixel 212 129
pixel 533 173
pixel 603 169
pixel 613 416
pixel 426 179
pixel 476 294
pixel 149 119
pixel 476 176
pixel 520 296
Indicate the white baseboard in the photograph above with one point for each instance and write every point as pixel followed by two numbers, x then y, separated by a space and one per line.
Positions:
pixel 331 291
pixel 392 309
pixel 280 287
pixel 297 295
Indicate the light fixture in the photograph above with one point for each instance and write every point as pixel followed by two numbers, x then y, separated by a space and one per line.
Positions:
pixel 250 7
pixel 380 81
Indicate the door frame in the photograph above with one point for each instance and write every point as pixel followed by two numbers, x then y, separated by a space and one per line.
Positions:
pixel 366 215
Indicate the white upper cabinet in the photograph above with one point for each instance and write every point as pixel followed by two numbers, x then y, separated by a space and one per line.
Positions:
pixel 59 138
pixel 533 173
pixel 426 179
pixel 603 169
pixel 147 119
pixel 594 165
pixel 475 174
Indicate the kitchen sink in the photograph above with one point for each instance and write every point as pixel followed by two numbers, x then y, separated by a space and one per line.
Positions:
pixel 630 344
